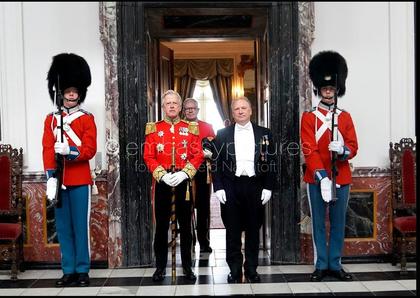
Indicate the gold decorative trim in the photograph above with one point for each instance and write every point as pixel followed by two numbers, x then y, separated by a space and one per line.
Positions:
pixel 190 170
pixel 150 127
pixel 375 219
pixel 171 121
pixel 158 173
pixel 193 128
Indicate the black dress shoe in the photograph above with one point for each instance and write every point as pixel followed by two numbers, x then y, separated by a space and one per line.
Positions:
pixel 341 275
pixel 159 274
pixel 67 280
pixel 234 279
pixel 318 275
pixel 207 249
pixel 253 277
pixel 189 274
pixel 83 280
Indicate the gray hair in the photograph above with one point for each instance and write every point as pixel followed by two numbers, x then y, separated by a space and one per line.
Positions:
pixel 190 99
pixel 171 92
pixel 240 98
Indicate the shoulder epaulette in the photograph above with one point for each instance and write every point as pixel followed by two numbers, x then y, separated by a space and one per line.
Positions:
pixel 150 127
pixel 193 128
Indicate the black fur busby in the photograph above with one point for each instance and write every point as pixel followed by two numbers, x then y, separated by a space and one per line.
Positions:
pixel 328 68
pixel 69 70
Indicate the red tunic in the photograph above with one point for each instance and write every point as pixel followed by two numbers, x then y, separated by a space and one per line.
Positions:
pixel 206 130
pixel 76 165
pixel 181 145
pixel 316 153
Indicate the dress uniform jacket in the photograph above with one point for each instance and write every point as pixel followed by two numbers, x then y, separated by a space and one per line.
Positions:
pixel 80 133
pixel 316 136
pixel 206 130
pixel 170 144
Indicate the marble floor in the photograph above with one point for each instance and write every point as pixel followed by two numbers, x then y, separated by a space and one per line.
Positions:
pixel 369 279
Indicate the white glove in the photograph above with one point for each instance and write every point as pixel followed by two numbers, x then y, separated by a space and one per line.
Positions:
pixel 326 189
pixel 178 177
pixel 168 179
pixel 62 148
pixel 51 188
pixel 207 153
pixel 265 196
pixel 221 195
pixel 336 146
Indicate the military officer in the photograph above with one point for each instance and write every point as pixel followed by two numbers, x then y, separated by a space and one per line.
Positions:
pixel 172 153
pixel 202 179
pixel 328 72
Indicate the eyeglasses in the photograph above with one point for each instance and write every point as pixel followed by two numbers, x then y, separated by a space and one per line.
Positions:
pixel 190 109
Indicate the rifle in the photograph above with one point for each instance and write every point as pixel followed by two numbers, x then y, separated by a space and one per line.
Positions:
pixel 59 159
pixel 334 137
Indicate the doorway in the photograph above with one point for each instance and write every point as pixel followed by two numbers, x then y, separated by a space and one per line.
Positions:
pixel 241 55
pixel 274 28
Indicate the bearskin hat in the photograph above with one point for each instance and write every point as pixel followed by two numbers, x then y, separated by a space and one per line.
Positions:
pixel 328 68
pixel 69 70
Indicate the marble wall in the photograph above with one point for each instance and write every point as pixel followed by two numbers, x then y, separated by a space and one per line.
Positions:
pixel 40 240
pixel 377 183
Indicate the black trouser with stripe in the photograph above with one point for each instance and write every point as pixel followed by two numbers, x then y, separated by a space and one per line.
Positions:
pixel 202 204
pixel 163 194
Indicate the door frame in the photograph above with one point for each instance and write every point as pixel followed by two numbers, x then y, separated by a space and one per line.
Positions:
pixel 133 54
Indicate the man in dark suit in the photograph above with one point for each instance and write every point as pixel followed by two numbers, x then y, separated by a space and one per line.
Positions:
pixel 244 168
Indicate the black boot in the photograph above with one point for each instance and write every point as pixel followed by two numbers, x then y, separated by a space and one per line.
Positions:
pixel 341 275
pixel 252 277
pixel 83 280
pixel 159 274
pixel 189 274
pixel 318 275
pixel 67 280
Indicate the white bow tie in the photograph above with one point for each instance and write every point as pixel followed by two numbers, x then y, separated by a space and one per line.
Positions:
pixel 244 128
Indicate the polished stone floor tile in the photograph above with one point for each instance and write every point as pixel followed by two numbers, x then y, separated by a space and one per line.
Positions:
pixel 123 281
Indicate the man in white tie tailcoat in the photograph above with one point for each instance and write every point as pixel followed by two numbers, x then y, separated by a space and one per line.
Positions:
pixel 244 171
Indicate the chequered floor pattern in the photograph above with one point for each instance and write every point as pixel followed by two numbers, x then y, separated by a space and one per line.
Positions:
pixel 371 279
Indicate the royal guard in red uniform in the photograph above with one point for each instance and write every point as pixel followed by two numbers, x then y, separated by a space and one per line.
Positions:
pixel 328 142
pixel 69 140
pixel 172 153
pixel 202 180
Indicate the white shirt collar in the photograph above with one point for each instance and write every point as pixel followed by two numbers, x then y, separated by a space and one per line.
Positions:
pixel 243 127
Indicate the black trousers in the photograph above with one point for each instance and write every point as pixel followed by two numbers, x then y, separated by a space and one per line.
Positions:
pixel 243 211
pixel 163 194
pixel 202 204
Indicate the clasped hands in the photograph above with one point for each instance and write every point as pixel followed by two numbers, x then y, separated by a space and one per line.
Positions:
pixel 265 196
pixel 174 179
